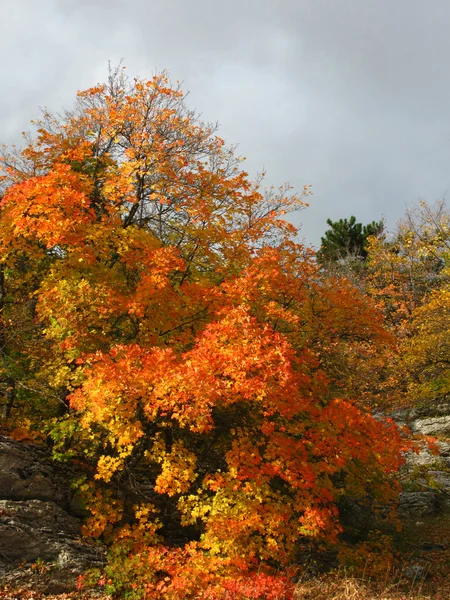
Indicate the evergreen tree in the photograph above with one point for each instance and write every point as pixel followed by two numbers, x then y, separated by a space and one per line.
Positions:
pixel 346 238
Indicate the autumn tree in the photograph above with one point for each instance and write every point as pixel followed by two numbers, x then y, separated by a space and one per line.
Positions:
pixel 403 271
pixel 414 293
pixel 404 267
pixel 358 366
pixel 182 346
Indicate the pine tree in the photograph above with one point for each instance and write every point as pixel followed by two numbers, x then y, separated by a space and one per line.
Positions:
pixel 346 238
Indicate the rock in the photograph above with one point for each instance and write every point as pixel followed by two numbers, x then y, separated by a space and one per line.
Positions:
pixel 34 532
pixel 435 426
pixel 415 572
pixel 444 450
pixel 442 480
pixel 418 503
pixel 432 547
pixel 27 472
pixel 425 458
pixel 432 419
pixel 402 417
pixel 40 534
pixel 421 459
pixel 33 529
pixel 432 409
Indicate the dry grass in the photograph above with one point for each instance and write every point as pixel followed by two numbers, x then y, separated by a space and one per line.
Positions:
pixel 23 594
pixel 349 588
pixel 327 587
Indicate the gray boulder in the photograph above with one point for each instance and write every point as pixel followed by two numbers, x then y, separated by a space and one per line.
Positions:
pixel 442 480
pixel 40 533
pixel 415 573
pixel 418 504
pixel 435 426
pixel 33 532
pixel 426 458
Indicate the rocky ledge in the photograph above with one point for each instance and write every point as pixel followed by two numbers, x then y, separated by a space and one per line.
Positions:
pixel 40 521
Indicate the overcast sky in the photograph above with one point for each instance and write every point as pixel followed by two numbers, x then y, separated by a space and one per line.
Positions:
pixel 350 96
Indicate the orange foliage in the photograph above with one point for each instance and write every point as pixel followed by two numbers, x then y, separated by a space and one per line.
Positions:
pixel 194 347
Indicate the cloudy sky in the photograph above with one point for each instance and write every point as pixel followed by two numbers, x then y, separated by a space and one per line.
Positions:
pixel 350 96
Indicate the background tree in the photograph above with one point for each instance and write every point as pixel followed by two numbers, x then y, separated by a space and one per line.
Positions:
pixel 405 268
pixel 343 257
pixel 414 293
pixel 404 273
pixel 345 239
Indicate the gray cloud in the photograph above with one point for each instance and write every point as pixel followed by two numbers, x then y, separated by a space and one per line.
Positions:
pixel 350 96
